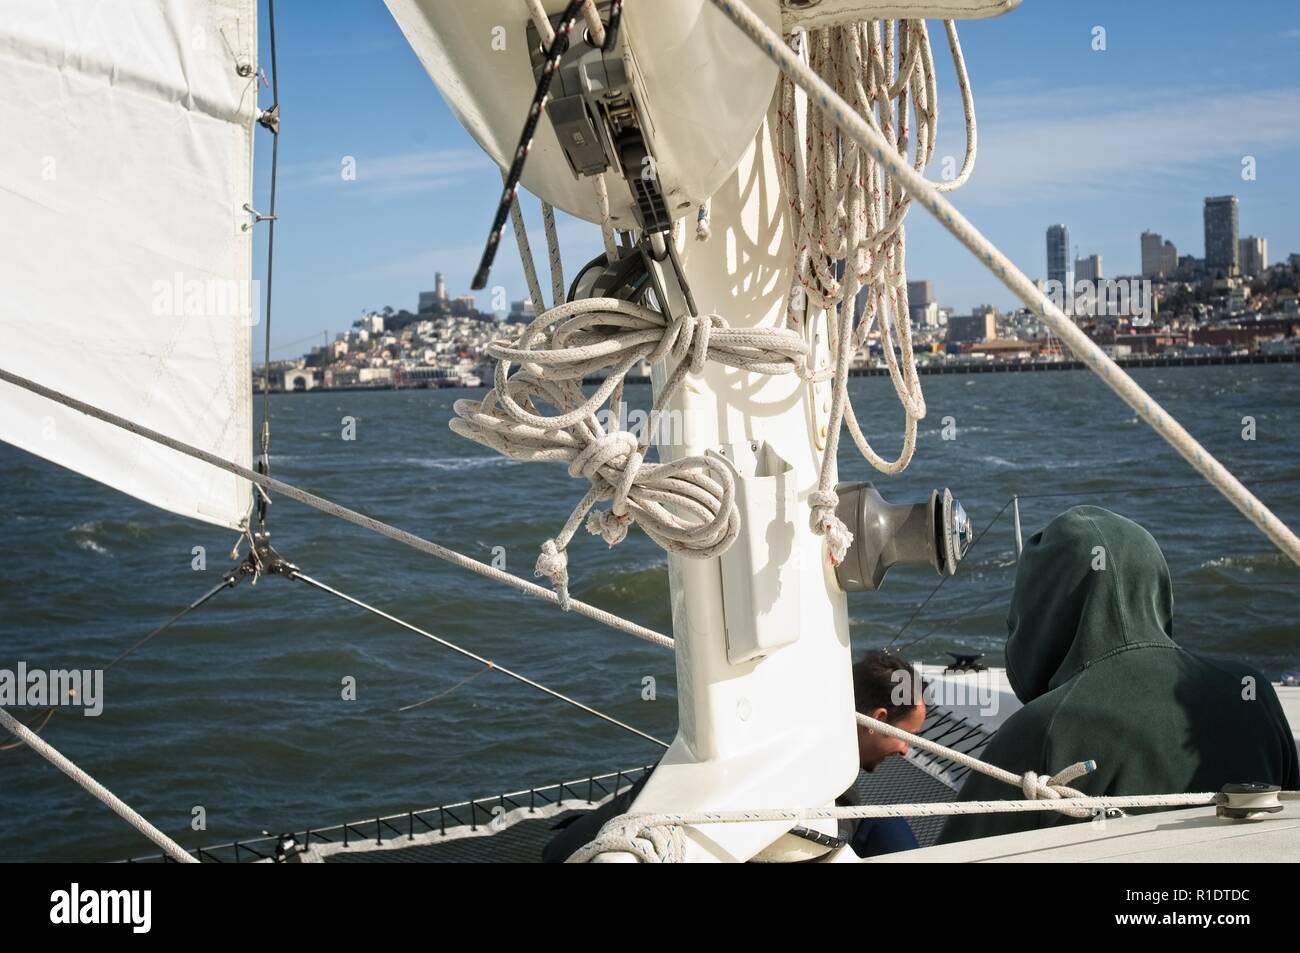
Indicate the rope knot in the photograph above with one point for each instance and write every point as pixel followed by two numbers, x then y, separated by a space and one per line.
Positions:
pixel 553 563
pixel 608 525
pixel 826 523
pixel 1037 788
pixel 692 338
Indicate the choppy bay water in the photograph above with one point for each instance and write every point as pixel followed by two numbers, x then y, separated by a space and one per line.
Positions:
pixel 238 709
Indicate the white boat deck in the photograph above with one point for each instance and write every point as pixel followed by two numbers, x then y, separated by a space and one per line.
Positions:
pixel 1170 837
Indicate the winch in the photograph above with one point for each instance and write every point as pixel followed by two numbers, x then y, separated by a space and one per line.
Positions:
pixel 936 532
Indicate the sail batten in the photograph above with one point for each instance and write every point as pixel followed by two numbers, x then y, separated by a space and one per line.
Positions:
pixel 125 246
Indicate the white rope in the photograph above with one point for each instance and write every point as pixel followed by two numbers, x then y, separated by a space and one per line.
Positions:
pixel 525 252
pixel 540 20
pixel 659 838
pixel 594 24
pixel 848 211
pixel 1030 783
pixel 606 221
pixel 847 208
pixel 114 803
pixel 553 249
pixel 869 137
pixel 582 338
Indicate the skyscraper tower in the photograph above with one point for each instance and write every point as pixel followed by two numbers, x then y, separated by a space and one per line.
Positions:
pixel 1221 249
pixel 440 288
pixel 1058 257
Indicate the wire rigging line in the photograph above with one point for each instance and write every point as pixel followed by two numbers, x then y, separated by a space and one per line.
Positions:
pixel 933 592
pixel 317 584
pixel 272 123
pixel 945 623
pixel 341 512
pixel 446 691
pixel 231 579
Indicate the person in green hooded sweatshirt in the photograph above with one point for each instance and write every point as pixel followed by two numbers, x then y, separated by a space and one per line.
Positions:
pixel 1091 655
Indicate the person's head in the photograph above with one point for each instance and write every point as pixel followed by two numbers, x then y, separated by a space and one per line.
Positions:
pixel 1089 584
pixel 887 689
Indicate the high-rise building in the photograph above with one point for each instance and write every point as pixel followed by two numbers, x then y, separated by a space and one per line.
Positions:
pixel 921 304
pixel 1058 256
pixel 1221 235
pixel 1252 254
pixel 1159 256
pixel 920 293
pixel 1087 269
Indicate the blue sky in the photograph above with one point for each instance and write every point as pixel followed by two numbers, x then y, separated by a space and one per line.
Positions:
pixel 1109 142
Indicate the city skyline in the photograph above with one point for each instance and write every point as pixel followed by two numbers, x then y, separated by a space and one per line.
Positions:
pixel 1140 148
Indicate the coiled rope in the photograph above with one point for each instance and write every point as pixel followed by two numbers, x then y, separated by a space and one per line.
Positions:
pixel 687 506
pixel 848 211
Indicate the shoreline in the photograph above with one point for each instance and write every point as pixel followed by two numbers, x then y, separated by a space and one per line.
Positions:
pixel 964 367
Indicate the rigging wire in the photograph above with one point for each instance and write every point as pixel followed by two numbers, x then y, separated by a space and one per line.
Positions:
pixel 933 592
pixel 231 579
pixel 273 125
pixel 488 663
pixel 445 692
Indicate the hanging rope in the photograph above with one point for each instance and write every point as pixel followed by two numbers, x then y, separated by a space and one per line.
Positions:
pixel 848 211
pixel 89 784
pixel 553 249
pixel 526 253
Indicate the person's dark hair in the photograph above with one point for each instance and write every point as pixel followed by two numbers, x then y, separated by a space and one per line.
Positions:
pixel 881 680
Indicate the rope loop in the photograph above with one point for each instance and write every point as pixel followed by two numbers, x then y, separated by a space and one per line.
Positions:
pixel 649 843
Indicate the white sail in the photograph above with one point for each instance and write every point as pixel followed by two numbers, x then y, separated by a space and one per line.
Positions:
pixel 125 247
